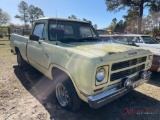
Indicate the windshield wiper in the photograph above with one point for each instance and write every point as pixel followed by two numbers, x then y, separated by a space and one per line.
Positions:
pixel 88 38
pixel 66 40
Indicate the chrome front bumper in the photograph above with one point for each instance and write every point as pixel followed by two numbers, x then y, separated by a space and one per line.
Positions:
pixel 101 99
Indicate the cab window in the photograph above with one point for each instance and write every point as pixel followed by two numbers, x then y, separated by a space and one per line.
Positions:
pixel 61 30
pixel 39 30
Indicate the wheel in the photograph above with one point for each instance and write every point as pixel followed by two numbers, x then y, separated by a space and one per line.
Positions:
pixel 21 62
pixel 66 94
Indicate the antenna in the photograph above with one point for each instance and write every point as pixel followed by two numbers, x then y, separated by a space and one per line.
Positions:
pixel 56 28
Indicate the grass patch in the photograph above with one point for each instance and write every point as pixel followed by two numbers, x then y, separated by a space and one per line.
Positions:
pixel 5 48
pixel 4 38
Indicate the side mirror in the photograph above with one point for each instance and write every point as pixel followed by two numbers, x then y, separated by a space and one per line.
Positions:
pixel 34 37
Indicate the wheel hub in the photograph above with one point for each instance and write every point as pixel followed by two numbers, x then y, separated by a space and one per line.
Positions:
pixel 62 95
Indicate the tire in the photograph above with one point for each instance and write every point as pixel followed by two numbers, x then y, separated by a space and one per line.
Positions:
pixel 68 98
pixel 21 62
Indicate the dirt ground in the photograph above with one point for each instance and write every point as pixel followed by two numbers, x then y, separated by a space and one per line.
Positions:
pixel 23 96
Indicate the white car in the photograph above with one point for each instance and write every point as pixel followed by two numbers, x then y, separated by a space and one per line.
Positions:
pixel 129 39
pixel 144 41
pixel 144 44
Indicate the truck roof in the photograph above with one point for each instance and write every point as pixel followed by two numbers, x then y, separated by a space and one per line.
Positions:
pixel 62 19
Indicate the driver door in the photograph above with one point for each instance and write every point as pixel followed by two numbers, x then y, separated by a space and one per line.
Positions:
pixel 35 49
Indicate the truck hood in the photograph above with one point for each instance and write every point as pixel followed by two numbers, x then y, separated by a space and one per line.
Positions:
pixel 102 50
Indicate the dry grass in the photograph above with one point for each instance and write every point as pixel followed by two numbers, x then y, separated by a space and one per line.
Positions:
pixel 15 101
pixel 4 39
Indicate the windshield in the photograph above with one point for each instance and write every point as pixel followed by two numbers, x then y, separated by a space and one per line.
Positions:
pixel 118 39
pixel 72 31
pixel 127 40
pixel 149 40
pixel 106 38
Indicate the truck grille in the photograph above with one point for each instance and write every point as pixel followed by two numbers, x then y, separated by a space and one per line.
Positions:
pixel 123 74
pixel 128 63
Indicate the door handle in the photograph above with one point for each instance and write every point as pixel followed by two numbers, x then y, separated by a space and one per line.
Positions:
pixel 47 55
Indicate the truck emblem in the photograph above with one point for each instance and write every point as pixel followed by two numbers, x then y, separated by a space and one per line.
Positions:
pixel 132 53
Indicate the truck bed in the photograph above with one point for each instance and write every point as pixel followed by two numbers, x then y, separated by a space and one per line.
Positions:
pixel 20 42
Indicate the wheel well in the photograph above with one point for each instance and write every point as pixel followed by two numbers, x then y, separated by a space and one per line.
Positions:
pixel 56 72
pixel 16 49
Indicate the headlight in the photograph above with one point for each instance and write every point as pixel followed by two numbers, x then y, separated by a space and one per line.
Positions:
pixel 100 74
pixel 149 61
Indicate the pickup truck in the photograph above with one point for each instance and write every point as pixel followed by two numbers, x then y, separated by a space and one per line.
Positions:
pixel 83 68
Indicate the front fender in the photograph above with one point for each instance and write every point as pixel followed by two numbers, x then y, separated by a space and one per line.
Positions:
pixel 71 77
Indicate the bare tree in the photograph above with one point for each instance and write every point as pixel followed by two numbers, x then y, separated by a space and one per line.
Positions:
pixel 34 13
pixel 31 11
pixel 114 21
pixel 4 17
pixel 38 13
pixel 139 5
pixel 28 14
pixel 72 17
pixel 132 20
pixel 84 19
pixel 23 10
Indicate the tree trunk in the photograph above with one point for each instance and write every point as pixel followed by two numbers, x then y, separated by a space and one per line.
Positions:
pixel 140 17
pixel 24 20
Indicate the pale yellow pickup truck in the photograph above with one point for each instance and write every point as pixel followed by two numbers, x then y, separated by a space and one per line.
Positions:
pixel 83 67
